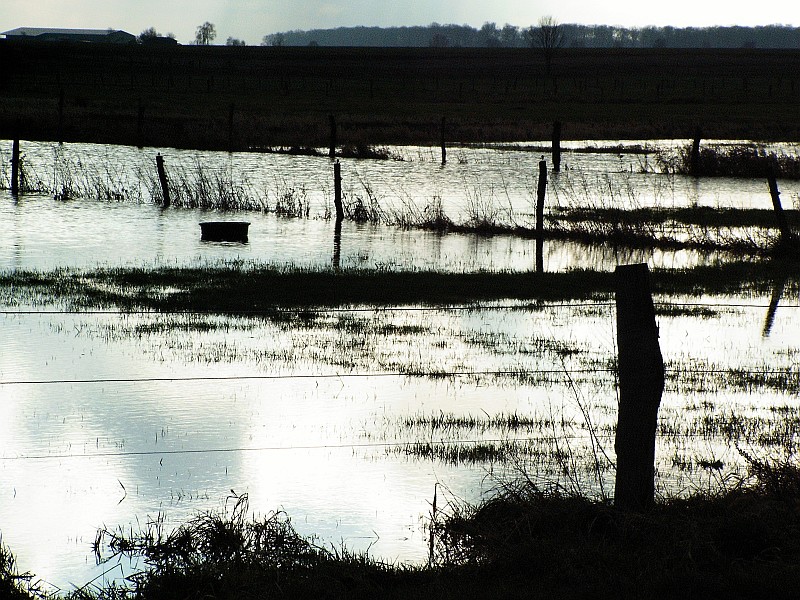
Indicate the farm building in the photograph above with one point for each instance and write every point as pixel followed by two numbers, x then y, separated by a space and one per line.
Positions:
pixel 45 34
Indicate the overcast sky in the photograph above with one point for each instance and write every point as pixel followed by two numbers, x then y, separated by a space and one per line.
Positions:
pixel 250 20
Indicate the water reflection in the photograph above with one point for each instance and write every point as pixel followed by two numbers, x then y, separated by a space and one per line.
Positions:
pixel 189 408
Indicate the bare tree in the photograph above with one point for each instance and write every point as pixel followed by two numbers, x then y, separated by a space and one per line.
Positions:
pixel 205 34
pixel 548 37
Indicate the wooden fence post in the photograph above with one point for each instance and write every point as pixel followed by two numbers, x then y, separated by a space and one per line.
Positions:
pixel 444 146
pixel 15 166
pixel 337 191
pixel 641 383
pixel 337 244
pixel 556 147
pixel 783 224
pixel 162 178
pixel 540 195
pixel 694 165
pixel 332 150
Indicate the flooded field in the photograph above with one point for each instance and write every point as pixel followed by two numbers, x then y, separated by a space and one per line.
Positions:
pixel 349 418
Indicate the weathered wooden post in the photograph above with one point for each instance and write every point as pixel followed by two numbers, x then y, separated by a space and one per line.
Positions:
pixel 332 150
pixel 540 195
pixel 337 191
pixel 444 146
pixel 15 166
pixel 162 178
pixel 641 383
pixel 783 224
pixel 694 164
pixel 337 244
pixel 556 147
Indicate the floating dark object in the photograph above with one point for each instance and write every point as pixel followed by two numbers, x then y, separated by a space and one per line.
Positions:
pixel 224 231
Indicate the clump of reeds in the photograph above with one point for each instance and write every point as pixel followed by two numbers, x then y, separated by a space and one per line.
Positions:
pixel 216 555
pixel 292 202
pixel 367 151
pixel 13 584
pixel 733 161
pixel 364 208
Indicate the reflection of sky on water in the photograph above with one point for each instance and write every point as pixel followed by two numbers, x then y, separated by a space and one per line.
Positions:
pixel 76 456
pixel 477 182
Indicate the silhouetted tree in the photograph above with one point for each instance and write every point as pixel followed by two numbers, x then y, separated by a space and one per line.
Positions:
pixel 548 37
pixel 205 34
pixel 232 41
pixel 490 35
pixel 148 34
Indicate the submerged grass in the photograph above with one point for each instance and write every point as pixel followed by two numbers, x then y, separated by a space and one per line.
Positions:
pixel 245 288
pixel 734 161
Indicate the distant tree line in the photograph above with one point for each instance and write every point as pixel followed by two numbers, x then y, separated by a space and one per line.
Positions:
pixel 573 36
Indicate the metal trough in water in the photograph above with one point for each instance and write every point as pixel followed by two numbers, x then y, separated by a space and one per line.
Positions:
pixel 224 231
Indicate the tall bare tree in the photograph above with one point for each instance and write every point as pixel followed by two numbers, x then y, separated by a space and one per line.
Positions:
pixel 548 37
pixel 205 34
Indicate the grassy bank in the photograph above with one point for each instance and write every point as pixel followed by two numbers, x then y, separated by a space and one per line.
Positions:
pixel 259 97
pixel 241 288
pixel 739 541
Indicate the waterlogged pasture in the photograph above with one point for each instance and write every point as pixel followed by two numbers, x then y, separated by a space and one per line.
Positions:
pixel 349 418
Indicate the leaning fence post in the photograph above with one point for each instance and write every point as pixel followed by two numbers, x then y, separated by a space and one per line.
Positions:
pixel 337 191
pixel 15 167
pixel 641 383
pixel 162 178
pixel 540 195
pixel 783 224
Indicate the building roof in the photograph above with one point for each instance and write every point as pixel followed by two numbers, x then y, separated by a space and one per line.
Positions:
pixel 59 32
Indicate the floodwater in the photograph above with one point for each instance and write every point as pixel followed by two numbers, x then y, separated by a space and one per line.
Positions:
pixel 348 420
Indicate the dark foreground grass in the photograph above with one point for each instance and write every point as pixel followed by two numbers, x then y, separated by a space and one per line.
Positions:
pixel 741 542
pixel 243 289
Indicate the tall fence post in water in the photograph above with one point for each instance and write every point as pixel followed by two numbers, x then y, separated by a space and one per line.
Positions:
pixel 337 191
pixel 540 195
pixel 556 147
pixel 694 165
pixel 162 178
pixel 332 150
pixel 15 166
pixel 641 383
pixel 444 146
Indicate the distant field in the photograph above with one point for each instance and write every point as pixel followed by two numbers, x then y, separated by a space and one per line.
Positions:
pixel 228 97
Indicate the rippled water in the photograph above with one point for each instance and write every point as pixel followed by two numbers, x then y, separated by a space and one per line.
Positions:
pixel 110 419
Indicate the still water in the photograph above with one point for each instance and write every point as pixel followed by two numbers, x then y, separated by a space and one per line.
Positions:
pixel 113 420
